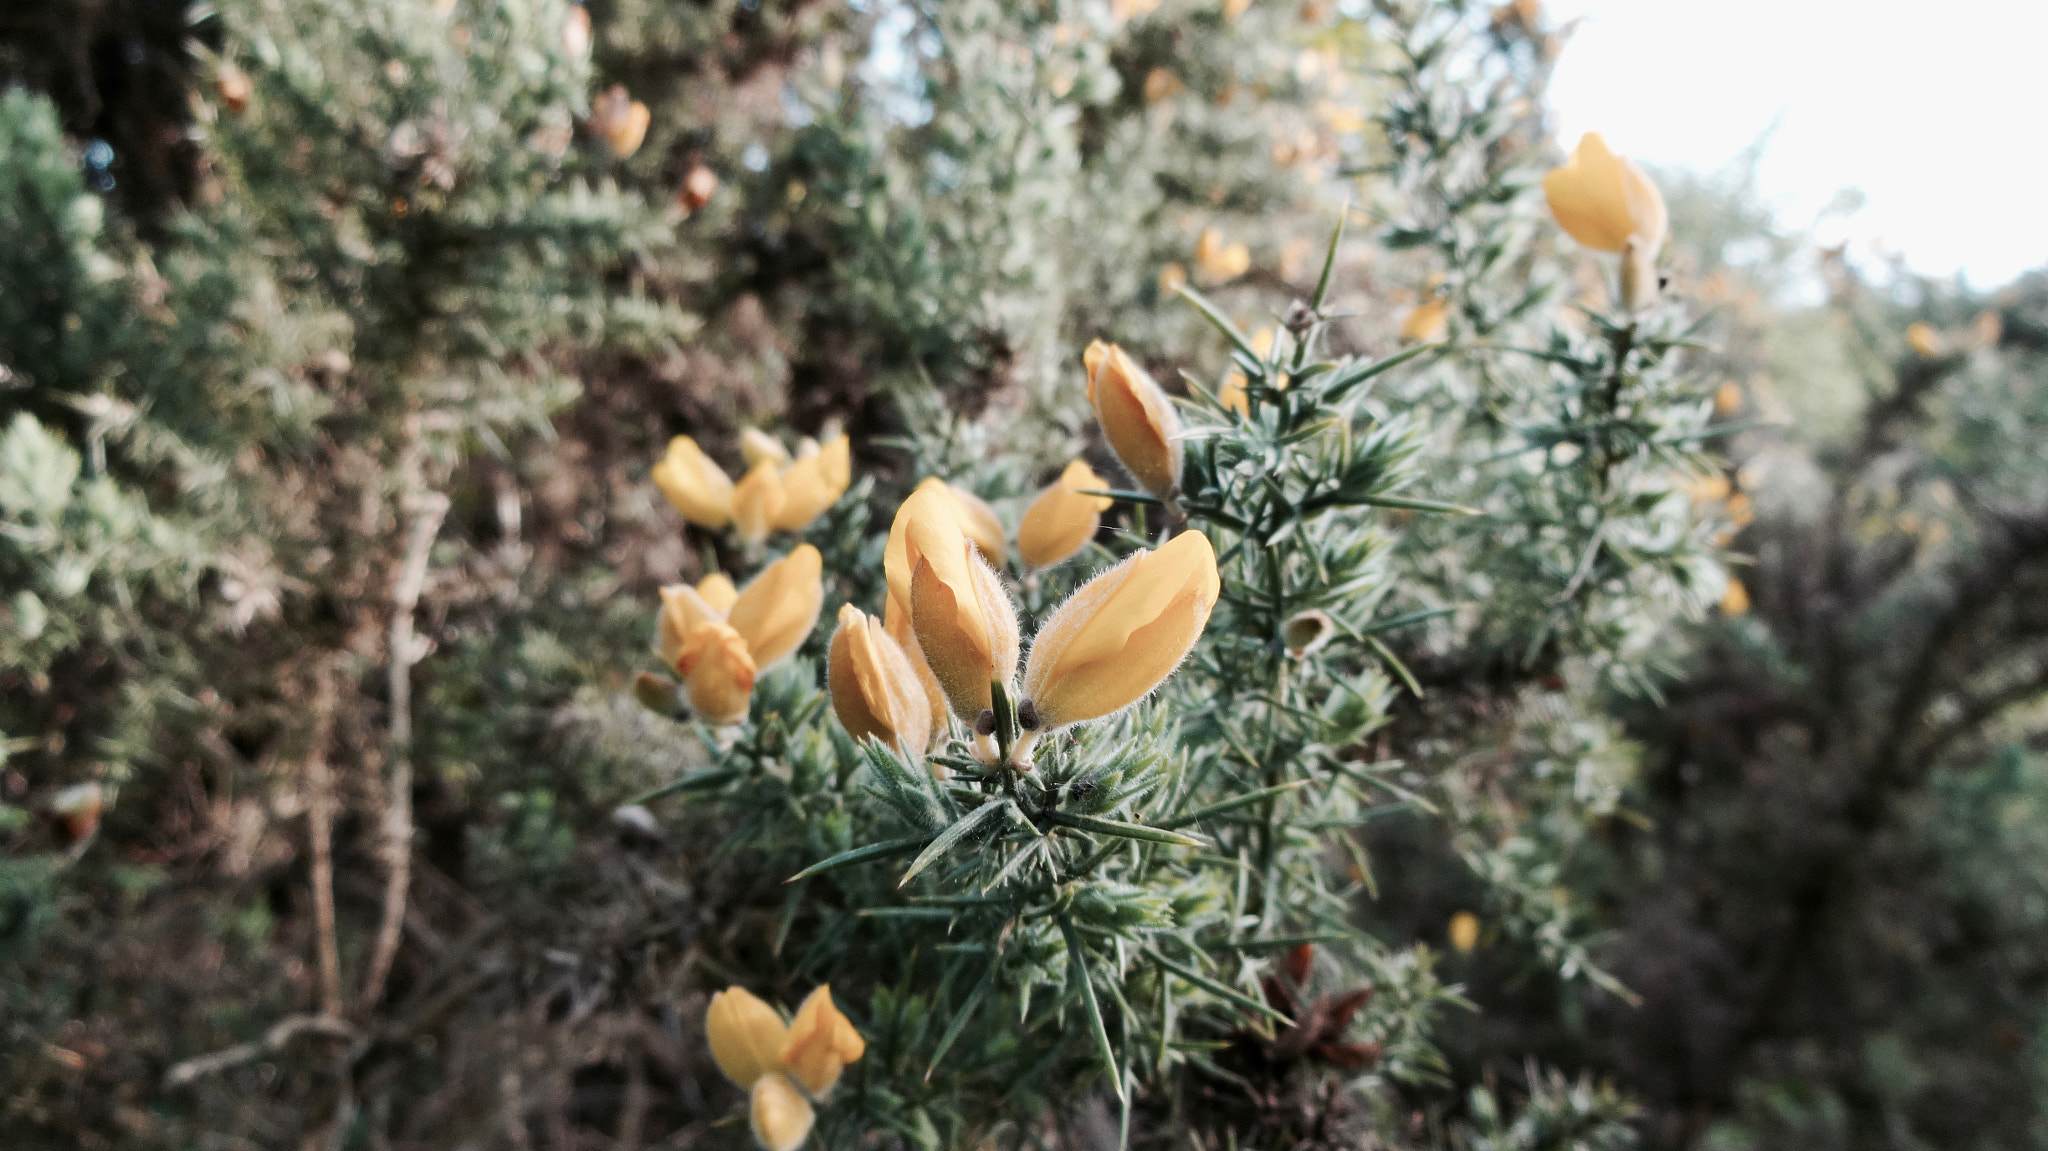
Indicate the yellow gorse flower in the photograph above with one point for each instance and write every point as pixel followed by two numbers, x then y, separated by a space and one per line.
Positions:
pixel 1218 261
pixel 782 1067
pixel 719 639
pixel 1426 323
pixel 965 624
pixel 620 119
pixel 875 690
pixel 694 484
pixel 1735 598
pixel 896 623
pixel 1137 418
pixel 1061 521
pixel 1119 636
pixel 1464 931
pixel 1605 202
pixel 777 493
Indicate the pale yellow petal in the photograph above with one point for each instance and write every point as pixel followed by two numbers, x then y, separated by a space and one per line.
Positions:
pixel 757 501
pixel 979 523
pixel 1589 198
pixel 694 485
pixel 746 1035
pixel 778 607
pixel 780 1116
pixel 875 690
pixel 718 591
pixel 822 1041
pixel 718 672
pixel 761 448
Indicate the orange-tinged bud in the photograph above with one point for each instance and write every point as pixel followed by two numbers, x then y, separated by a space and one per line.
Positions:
pixel 778 607
pixel 1120 635
pixel 780 1116
pixel 1139 420
pixel 1061 521
pixel 1603 200
pixel 979 521
pixel 965 623
pixel 1427 323
pixel 896 622
pixel 875 690
pixel 620 119
pixel 1172 278
pixel 1464 931
pixel 698 488
pixel 746 1035
pixel 1728 398
pixel 718 591
pixel 1233 397
pixel 814 483
pixel 757 502
pixel 718 671
pixel 821 1043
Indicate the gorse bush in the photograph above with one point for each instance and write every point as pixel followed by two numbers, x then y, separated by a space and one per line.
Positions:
pixel 1138 517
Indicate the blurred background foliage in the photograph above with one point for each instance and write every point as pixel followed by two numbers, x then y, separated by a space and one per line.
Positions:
pixel 319 316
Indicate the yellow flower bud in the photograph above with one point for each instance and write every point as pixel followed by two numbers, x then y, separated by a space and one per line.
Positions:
pixel 761 448
pixel 1603 200
pixel 717 590
pixel 1139 420
pixel 1172 278
pixel 814 483
pixel 821 1043
pixel 966 625
pixel 620 119
pixel 1728 398
pixel 875 690
pixel 778 607
pixel 1925 341
pixel 1464 931
pixel 747 1036
pixel 979 522
pixel 780 1116
pixel 1427 323
pixel 698 488
pixel 1233 397
pixel 896 622
pixel 1120 635
pixel 718 672
pixel 1061 521
pixel 757 501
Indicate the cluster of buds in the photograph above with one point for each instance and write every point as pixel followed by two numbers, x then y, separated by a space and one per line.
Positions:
pixel 784 1067
pixel 1605 202
pixel 718 638
pixel 780 492
pixel 1109 645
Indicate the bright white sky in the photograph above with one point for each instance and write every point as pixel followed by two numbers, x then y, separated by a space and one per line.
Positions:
pixel 1932 110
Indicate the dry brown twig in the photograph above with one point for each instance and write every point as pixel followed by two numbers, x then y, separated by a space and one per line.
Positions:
pixel 320 813
pixel 427 509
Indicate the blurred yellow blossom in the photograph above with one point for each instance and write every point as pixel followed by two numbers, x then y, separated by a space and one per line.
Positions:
pixel 1219 261
pixel 1061 521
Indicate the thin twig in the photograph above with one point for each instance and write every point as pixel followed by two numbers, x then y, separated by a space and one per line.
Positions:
pixel 274 1040
pixel 320 812
pixel 428 510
